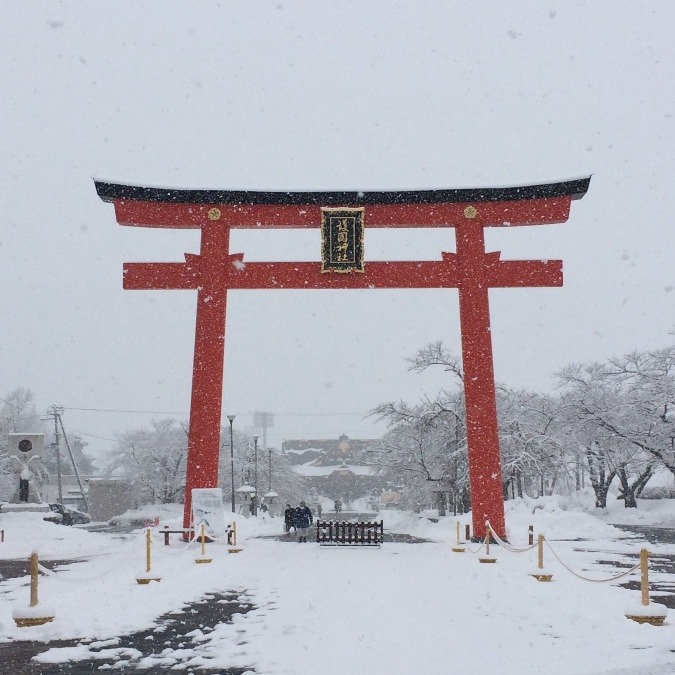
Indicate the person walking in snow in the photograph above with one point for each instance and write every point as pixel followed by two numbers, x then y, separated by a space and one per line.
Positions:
pixel 303 519
pixel 289 519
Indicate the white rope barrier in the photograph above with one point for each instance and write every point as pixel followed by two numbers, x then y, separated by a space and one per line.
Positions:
pixel 183 550
pixel 97 554
pixel 567 567
pixel 581 576
pixel 477 550
pixel 507 546
pixel 77 580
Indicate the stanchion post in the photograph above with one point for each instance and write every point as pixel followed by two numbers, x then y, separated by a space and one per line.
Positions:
pixel 203 558
pixel 233 548
pixel 652 613
pixel 35 616
pixel 487 558
pixel 33 579
pixel 147 577
pixel 540 574
pixel 530 536
pixel 644 575
pixel 147 550
pixel 468 533
pixel 456 549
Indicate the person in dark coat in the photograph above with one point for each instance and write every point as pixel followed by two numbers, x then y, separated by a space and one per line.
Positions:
pixel 303 519
pixel 289 519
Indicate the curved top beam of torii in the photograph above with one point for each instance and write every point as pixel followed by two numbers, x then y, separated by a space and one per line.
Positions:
pixel 110 192
pixel 497 206
pixel 471 270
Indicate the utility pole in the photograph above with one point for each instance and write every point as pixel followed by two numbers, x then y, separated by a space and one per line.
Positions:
pixel 255 474
pixel 264 421
pixel 270 470
pixel 231 420
pixel 77 473
pixel 54 412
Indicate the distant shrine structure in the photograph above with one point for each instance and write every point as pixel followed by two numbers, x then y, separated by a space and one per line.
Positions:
pixel 343 218
pixel 339 468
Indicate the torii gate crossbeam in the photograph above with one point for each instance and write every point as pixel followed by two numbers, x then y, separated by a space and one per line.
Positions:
pixel 471 270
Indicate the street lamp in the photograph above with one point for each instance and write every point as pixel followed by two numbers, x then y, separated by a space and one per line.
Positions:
pixel 255 474
pixel 231 418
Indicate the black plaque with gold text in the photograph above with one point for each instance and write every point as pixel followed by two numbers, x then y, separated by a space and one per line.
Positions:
pixel 342 239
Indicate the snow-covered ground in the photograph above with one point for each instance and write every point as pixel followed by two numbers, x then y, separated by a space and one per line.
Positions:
pixel 402 608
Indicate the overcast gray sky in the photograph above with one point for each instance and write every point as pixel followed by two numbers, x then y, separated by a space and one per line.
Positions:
pixel 323 96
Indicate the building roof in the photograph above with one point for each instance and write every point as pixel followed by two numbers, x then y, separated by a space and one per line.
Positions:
pixel 311 469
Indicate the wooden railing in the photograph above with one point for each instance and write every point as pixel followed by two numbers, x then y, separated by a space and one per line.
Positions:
pixel 343 533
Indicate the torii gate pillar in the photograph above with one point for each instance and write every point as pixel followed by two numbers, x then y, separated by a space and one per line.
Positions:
pixel 471 270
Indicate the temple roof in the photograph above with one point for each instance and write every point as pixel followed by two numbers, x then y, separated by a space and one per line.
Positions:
pixel 110 192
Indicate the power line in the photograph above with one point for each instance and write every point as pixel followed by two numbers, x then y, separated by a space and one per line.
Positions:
pixel 182 412
pixel 139 412
pixel 101 438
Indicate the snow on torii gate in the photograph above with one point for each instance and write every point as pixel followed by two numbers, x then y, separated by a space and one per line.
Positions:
pixel 471 270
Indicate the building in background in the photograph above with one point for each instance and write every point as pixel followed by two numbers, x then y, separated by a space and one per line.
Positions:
pixel 109 497
pixel 336 468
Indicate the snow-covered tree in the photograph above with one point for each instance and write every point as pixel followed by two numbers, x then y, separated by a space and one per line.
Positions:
pixel 290 486
pixel 606 411
pixel 153 461
pixel 424 453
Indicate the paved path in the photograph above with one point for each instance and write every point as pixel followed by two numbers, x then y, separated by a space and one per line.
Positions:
pixel 202 616
pixel 350 517
pixel 213 609
pixel 661 565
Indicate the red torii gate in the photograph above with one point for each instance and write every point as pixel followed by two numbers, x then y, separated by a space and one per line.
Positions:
pixel 471 270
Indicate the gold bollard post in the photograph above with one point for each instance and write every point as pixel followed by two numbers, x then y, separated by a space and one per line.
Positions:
pixel 33 579
pixel 653 613
pixel 644 576
pixel 234 548
pixel 203 558
pixel 487 558
pixel 147 577
pixel 459 548
pixel 147 550
pixel 540 575
pixel 33 617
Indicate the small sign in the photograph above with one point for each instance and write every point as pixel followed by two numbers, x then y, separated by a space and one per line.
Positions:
pixel 25 446
pixel 207 509
pixel 342 239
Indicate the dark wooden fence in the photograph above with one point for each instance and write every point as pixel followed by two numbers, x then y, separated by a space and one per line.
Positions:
pixel 343 533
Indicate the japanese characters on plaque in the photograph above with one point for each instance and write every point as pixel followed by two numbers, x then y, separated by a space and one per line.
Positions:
pixel 342 239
